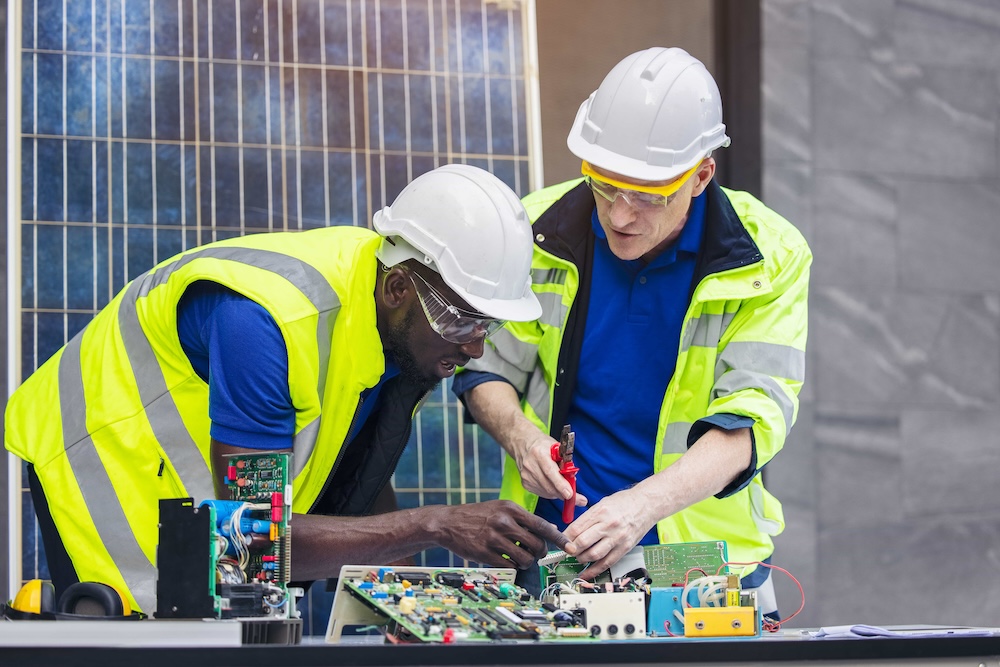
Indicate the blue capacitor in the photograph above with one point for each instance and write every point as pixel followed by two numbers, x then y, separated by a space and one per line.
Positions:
pixel 224 510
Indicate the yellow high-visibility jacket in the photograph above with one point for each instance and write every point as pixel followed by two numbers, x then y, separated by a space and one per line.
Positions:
pixel 118 419
pixel 742 350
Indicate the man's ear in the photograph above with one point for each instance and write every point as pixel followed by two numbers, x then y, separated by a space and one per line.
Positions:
pixel 702 177
pixel 396 285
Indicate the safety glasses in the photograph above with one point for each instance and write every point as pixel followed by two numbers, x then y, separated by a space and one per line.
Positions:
pixel 634 195
pixel 453 324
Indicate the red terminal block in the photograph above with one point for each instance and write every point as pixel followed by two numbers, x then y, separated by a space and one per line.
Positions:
pixel 277 505
pixel 562 453
pixel 232 473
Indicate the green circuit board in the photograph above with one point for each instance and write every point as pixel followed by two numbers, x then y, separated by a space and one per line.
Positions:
pixel 460 605
pixel 668 564
pixel 262 479
pixel 665 564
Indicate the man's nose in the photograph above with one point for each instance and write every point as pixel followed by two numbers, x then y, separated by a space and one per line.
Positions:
pixel 621 212
pixel 474 349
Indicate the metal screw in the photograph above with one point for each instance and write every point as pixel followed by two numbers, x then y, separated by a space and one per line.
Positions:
pixel 700 625
pixel 736 623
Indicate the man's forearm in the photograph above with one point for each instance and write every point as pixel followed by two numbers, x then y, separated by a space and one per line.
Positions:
pixel 497 409
pixel 712 463
pixel 322 544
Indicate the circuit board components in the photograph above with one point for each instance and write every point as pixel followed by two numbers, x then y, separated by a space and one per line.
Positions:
pixel 230 559
pixel 447 605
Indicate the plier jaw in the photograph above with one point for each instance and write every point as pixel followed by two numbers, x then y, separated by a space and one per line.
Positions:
pixel 562 453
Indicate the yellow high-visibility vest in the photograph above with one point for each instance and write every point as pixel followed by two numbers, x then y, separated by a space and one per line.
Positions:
pixel 118 419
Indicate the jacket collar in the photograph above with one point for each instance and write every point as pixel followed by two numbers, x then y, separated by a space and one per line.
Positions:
pixel 565 226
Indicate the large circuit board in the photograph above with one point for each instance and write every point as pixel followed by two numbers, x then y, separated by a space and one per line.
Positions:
pixel 448 605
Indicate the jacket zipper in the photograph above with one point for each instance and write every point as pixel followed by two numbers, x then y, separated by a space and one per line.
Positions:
pixel 340 456
pixel 399 451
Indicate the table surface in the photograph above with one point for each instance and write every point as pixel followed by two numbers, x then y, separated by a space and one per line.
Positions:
pixel 194 643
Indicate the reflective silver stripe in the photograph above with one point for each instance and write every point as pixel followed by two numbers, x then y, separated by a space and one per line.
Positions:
pixel 306 278
pixel 508 357
pixel 161 410
pixel 548 276
pixel 764 524
pixel 537 395
pixel 739 379
pixel 303 444
pixel 771 359
pixel 707 330
pixel 95 485
pixel 553 311
pixel 675 440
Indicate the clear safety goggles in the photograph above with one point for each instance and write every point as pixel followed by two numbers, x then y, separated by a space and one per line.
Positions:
pixel 634 195
pixel 453 324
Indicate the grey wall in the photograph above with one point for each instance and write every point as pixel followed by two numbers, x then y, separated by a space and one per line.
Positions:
pixel 880 142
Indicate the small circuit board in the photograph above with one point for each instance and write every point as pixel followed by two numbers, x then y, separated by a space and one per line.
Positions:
pixel 671 564
pixel 259 482
pixel 448 605
pixel 662 564
pixel 230 558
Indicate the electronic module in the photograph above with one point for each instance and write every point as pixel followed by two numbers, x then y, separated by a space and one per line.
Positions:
pixel 230 558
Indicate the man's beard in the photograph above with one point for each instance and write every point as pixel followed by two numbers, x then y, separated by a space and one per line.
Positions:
pixel 398 342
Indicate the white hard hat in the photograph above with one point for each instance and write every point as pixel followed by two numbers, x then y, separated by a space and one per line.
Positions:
pixel 471 228
pixel 656 115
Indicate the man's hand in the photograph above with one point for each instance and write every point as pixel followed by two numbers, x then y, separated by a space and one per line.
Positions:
pixel 539 473
pixel 497 409
pixel 497 533
pixel 608 530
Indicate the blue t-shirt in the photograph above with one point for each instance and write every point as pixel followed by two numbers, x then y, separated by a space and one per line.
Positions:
pixel 235 345
pixel 633 322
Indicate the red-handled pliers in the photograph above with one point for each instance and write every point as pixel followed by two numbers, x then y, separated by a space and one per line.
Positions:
pixel 562 453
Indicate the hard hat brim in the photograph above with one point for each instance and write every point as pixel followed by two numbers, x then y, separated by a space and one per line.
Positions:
pixel 640 170
pixel 525 309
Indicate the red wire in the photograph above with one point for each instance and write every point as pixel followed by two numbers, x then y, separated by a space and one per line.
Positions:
pixel 774 626
pixel 666 626
pixel 687 576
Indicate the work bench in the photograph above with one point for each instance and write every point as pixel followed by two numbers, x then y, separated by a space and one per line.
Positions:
pixel 183 645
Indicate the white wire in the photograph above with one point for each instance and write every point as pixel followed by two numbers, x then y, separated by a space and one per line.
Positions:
pixel 710 591
pixel 236 535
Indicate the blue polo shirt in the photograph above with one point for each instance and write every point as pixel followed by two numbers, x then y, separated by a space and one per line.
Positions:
pixel 235 346
pixel 628 356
